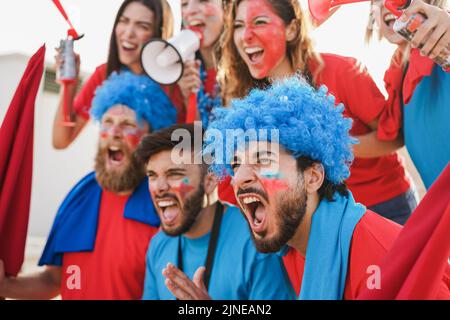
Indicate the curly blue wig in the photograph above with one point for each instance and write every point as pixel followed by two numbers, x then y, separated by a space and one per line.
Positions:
pixel 137 92
pixel 309 123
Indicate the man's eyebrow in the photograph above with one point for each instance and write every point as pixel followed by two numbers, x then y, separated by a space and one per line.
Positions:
pixel 176 170
pixel 266 153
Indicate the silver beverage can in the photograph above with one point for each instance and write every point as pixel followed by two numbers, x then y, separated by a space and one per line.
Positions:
pixel 407 29
pixel 67 70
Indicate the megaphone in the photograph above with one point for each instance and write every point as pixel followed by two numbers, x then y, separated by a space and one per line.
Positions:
pixel 163 61
pixel 321 9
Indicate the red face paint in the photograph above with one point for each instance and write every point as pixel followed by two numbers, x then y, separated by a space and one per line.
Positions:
pixel 273 184
pixel 132 137
pixel 257 28
pixel 183 188
pixel 104 132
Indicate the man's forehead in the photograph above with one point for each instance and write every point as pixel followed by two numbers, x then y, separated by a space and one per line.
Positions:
pixel 256 148
pixel 162 161
pixel 121 110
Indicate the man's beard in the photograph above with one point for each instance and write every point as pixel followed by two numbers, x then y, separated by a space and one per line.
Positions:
pixel 125 179
pixel 190 211
pixel 289 215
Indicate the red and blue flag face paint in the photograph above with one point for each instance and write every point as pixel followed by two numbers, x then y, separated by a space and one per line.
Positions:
pixel 120 123
pixel 273 183
pixel 184 187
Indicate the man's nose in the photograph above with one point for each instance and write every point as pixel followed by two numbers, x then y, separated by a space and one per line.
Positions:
pixel 159 186
pixel 244 177
pixel 116 131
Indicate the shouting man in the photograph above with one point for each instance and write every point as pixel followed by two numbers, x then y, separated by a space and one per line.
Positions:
pixel 288 165
pixel 201 239
pixel 96 248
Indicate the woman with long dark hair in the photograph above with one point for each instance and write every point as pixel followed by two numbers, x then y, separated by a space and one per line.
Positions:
pixel 137 21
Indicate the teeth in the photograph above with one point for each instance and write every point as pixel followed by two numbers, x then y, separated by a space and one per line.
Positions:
pixel 163 204
pixel 253 50
pixel 256 222
pixel 128 45
pixel 389 17
pixel 195 23
pixel 114 148
pixel 249 200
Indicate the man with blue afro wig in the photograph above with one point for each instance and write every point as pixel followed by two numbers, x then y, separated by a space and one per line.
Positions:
pixel 288 150
pixel 139 93
pixel 106 221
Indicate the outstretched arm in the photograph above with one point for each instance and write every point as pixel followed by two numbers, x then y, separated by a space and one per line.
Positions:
pixel 39 286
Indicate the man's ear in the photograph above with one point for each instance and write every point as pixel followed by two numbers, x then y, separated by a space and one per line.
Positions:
pixel 210 182
pixel 314 177
pixel 292 30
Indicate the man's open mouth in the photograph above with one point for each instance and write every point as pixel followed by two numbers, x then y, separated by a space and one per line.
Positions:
pixel 116 156
pixel 170 209
pixel 255 209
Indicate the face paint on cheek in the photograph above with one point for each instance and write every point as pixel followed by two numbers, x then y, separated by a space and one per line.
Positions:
pixel 273 183
pixel 184 187
pixel 132 136
pixel 105 132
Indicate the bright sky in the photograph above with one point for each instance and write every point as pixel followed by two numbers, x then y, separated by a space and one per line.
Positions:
pixel 26 24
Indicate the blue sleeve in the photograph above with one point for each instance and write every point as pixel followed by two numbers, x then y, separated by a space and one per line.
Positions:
pixel 269 280
pixel 150 289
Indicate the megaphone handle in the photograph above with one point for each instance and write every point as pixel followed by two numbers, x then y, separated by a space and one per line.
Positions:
pixel 67 114
pixel 192 110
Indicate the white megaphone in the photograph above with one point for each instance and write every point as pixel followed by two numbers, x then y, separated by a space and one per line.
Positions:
pixel 163 61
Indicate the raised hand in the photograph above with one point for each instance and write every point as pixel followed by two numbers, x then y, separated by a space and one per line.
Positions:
pixel 182 287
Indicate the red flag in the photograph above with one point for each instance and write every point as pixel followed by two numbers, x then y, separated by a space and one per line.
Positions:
pixel 16 165
pixel 415 266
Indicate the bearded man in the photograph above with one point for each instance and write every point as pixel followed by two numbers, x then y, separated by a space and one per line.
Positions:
pixel 288 178
pixel 96 247
pixel 201 238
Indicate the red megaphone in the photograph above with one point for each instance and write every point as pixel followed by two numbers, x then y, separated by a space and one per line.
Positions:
pixel 321 9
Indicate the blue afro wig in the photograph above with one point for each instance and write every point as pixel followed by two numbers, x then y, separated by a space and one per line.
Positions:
pixel 309 123
pixel 137 92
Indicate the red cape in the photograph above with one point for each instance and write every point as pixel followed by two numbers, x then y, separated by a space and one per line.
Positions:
pixel 417 264
pixel 16 165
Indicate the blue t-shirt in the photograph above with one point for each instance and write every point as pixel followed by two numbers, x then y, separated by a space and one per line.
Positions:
pixel 239 272
pixel 427 125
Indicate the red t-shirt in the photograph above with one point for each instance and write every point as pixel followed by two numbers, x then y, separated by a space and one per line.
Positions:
pixel 373 180
pixel 83 100
pixel 115 269
pixel 372 238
